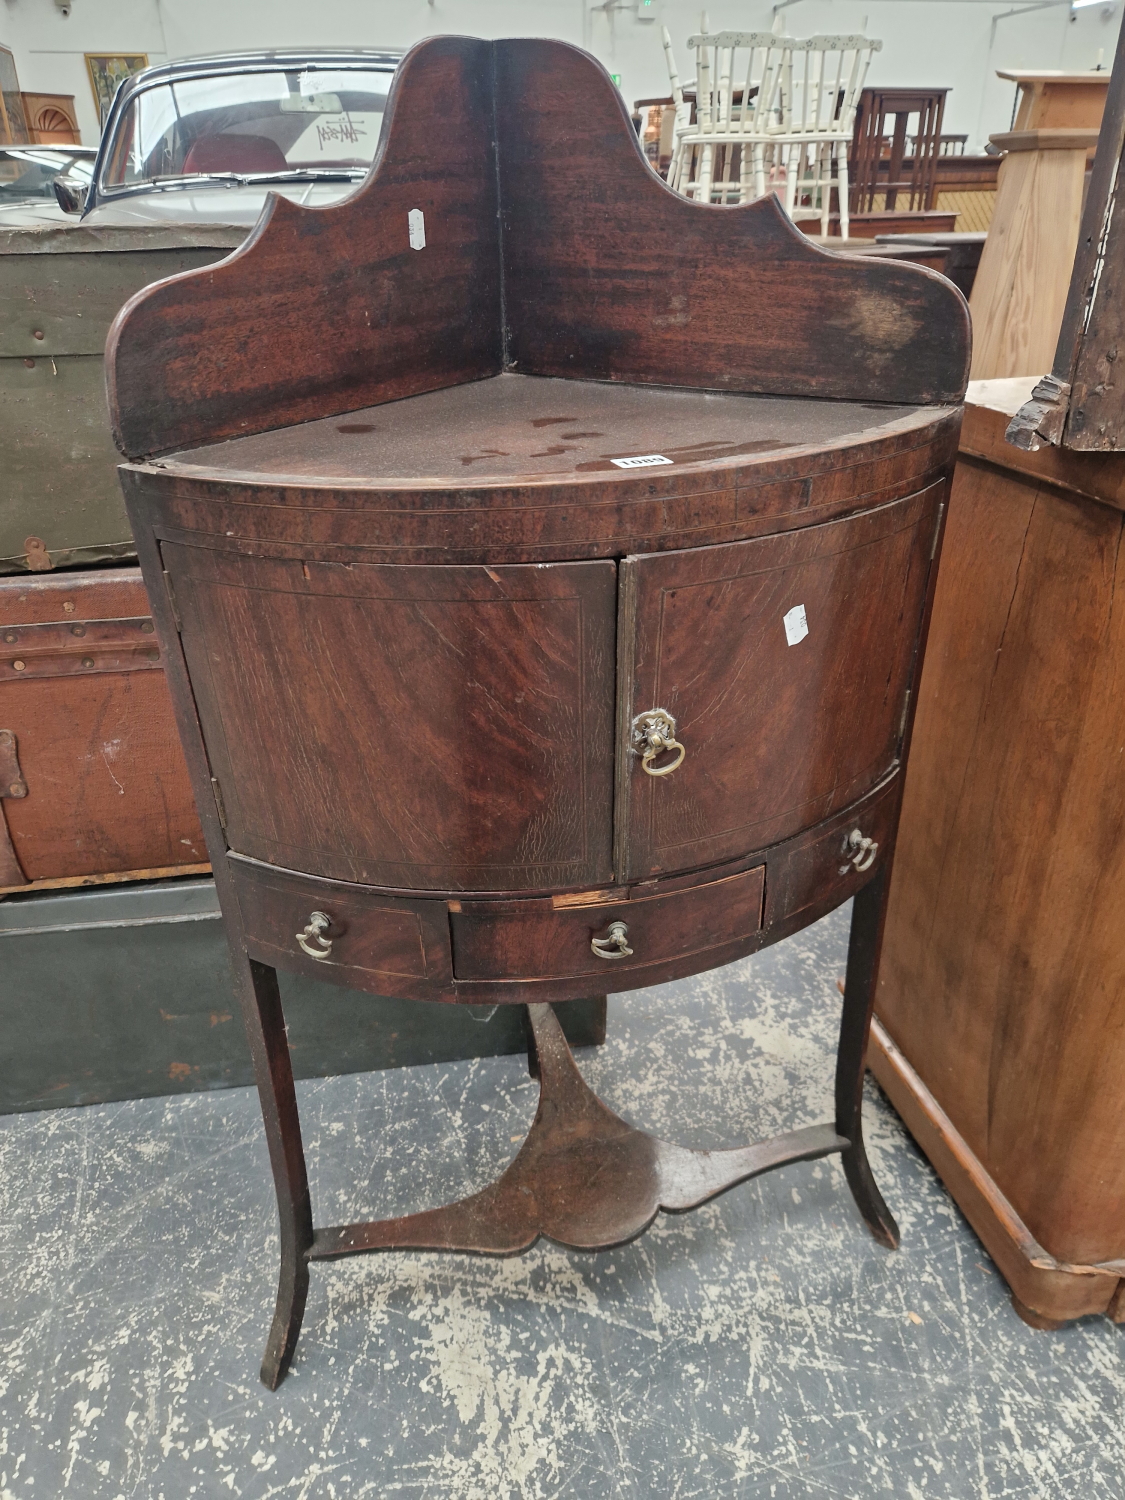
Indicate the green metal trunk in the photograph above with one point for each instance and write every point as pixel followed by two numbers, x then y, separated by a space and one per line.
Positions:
pixel 60 288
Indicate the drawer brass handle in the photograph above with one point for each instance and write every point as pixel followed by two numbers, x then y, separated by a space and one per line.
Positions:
pixel 319 923
pixel 654 732
pixel 615 944
pixel 859 851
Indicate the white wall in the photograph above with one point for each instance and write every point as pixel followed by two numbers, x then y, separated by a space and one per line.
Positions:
pixel 959 43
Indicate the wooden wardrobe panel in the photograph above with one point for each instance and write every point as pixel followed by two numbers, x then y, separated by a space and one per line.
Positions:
pixel 434 728
pixel 780 729
pixel 1003 968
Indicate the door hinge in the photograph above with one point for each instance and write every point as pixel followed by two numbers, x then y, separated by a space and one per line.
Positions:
pixel 219 808
pixel 937 529
pixel 172 601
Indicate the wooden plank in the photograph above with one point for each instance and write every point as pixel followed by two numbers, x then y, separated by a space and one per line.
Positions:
pixel 1052 97
pixel 1058 139
pixel 113 877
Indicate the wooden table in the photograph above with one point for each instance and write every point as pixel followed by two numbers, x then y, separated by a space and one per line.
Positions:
pixel 933 256
pixel 542 563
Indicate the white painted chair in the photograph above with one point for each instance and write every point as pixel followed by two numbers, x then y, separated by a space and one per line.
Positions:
pixel 744 94
pixel 827 80
pixel 683 110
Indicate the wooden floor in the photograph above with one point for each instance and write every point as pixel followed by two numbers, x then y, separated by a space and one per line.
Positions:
pixel 763 1348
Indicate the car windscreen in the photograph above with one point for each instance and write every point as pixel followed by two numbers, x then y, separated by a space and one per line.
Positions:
pixel 249 124
pixel 26 174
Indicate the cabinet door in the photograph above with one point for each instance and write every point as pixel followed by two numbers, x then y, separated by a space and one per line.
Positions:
pixel 785 663
pixel 425 728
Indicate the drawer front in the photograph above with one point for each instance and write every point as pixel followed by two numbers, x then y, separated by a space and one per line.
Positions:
pixel 552 939
pixel 390 945
pixel 825 868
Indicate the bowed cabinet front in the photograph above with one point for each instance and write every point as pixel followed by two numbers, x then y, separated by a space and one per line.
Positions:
pixel 478 706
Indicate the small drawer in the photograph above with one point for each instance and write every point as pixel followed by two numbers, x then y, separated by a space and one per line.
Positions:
pixel 386 944
pixel 824 866
pixel 542 940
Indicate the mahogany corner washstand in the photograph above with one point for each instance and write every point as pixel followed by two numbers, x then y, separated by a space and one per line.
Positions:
pixel 542 563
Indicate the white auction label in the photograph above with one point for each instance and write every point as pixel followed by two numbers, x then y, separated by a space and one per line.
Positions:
pixel 646 462
pixel 416 222
pixel 796 626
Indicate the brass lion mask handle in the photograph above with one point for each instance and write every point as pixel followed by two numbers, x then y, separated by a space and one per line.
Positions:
pixel 319 923
pixel 654 732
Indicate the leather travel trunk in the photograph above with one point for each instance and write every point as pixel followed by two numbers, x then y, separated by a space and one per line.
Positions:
pixel 93 785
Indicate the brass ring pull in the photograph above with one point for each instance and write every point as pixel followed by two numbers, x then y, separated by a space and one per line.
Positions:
pixel 615 944
pixel 653 733
pixel 319 923
pixel 860 851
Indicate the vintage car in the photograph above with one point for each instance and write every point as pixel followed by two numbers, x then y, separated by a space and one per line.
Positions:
pixel 204 140
pixel 188 156
pixel 27 175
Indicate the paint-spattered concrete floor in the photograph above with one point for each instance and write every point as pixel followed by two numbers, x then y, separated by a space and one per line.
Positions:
pixel 763 1346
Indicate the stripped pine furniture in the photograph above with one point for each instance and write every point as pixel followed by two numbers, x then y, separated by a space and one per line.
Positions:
pixel 542 563
pixel 1020 293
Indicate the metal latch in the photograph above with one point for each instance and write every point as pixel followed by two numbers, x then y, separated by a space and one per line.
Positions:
pixel 12 785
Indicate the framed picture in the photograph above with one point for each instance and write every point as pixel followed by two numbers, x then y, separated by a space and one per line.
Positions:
pixel 13 125
pixel 107 70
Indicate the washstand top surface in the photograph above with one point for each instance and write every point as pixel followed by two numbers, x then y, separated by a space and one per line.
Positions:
pixel 520 429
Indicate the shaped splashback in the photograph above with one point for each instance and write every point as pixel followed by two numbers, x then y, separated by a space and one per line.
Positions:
pixel 511 221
